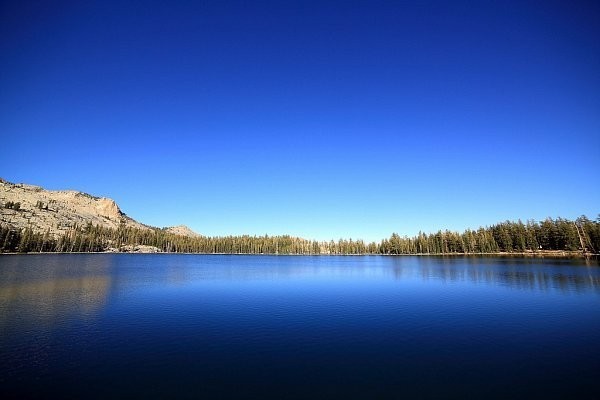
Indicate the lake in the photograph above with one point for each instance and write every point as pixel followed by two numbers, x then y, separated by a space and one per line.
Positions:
pixel 204 326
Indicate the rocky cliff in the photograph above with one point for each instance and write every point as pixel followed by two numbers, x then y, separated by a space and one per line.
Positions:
pixel 182 230
pixel 57 211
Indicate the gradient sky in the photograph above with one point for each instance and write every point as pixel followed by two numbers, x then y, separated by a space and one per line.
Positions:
pixel 316 119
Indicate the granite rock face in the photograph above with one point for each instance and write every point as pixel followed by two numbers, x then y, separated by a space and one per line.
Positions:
pixel 57 211
pixel 182 230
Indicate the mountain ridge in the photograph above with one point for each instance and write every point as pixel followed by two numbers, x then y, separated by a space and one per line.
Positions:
pixel 55 212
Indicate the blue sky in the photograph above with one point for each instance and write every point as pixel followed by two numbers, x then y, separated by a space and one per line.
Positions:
pixel 316 119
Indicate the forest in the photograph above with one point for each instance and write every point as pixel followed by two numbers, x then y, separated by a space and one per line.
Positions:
pixel 580 235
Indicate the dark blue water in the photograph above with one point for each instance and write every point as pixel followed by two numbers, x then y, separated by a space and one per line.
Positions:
pixel 195 326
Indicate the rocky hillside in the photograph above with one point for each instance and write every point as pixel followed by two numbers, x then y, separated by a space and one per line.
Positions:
pixel 57 211
pixel 182 230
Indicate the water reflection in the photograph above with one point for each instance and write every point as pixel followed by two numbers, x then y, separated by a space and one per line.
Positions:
pixel 48 289
pixel 565 275
pixel 42 291
pixel 102 325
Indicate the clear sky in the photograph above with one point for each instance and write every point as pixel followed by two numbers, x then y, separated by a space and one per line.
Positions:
pixel 316 119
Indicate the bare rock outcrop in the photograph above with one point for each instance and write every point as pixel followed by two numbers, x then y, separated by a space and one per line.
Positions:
pixel 138 248
pixel 108 208
pixel 57 211
pixel 182 230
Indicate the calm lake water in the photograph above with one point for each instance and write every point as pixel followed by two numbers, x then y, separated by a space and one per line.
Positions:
pixel 202 326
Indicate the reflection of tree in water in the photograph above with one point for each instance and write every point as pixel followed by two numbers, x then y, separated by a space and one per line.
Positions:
pixel 546 281
pixel 47 290
pixel 529 274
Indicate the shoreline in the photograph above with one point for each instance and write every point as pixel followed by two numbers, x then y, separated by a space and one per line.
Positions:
pixel 537 254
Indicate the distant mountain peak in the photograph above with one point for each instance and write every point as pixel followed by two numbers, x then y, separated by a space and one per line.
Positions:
pixel 182 230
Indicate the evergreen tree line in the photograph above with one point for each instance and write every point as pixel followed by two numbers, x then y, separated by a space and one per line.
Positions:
pixel 550 234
